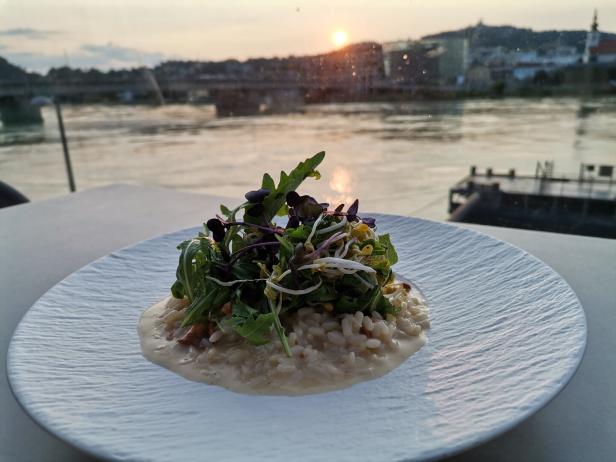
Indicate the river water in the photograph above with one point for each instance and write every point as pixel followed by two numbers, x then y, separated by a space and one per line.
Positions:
pixel 397 158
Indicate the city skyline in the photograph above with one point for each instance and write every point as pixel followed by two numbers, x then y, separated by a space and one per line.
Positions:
pixel 117 34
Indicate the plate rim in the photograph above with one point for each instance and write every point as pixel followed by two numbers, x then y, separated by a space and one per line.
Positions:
pixel 467 443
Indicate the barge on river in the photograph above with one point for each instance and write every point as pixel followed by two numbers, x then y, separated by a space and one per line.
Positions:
pixel 585 204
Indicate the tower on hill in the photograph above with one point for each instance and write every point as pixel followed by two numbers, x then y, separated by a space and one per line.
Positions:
pixel 592 41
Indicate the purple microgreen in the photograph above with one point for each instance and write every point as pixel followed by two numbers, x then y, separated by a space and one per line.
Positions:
pixel 258 245
pixel 214 224
pixel 258 196
pixel 293 222
pixel 299 254
pixel 265 229
pixel 217 229
pixel 294 273
pixel 256 210
pixel 339 208
pixel 308 209
pixel 333 213
pixel 371 222
pixel 352 210
pixel 224 222
pixel 292 199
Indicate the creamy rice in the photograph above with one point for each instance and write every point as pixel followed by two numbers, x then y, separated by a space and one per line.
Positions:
pixel 329 352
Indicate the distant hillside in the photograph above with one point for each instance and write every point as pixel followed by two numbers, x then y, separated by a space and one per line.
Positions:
pixel 9 73
pixel 513 37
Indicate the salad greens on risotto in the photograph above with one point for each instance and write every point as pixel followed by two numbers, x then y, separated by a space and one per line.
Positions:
pixel 244 271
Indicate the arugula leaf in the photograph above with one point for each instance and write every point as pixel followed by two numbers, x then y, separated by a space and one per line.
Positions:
pixel 286 248
pixel 226 211
pixel 186 267
pixel 287 183
pixel 177 290
pixel 390 251
pixel 325 293
pixel 300 233
pixel 278 326
pixel 257 330
pixel 241 310
pixel 377 248
pixel 232 231
pixel 377 295
pixel 189 270
pixel 284 211
pixel 380 303
pixel 384 306
pixel 245 270
pixel 346 304
pixel 254 327
pixel 212 296
pixel 373 300
pixel 268 182
pixel 207 249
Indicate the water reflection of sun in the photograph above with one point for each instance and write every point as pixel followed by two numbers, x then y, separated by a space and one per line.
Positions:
pixel 341 184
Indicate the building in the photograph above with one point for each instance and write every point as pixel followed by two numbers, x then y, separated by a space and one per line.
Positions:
pixel 355 67
pixel 597 50
pixel 453 57
pixel 394 56
pixel 435 61
pixel 527 71
pixel 479 77
pixel 527 64
pixel 592 41
pixel 606 52
pixel 563 56
pixel 408 62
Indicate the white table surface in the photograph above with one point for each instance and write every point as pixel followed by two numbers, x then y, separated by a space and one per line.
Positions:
pixel 43 242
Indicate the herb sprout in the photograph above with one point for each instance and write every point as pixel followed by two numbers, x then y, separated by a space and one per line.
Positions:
pixel 245 274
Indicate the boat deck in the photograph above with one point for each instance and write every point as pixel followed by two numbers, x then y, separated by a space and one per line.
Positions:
pixel 592 188
pixel 579 205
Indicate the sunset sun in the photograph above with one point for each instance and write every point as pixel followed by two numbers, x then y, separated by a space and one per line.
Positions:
pixel 339 38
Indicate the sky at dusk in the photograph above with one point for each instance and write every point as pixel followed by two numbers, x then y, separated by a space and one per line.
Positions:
pixel 39 34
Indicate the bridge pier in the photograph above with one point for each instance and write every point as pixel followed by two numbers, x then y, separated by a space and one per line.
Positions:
pixel 231 103
pixel 244 102
pixel 15 110
pixel 282 101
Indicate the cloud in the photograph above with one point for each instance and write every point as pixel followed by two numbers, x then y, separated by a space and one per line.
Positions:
pixel 28 32
pixel 87 56
pixel 121 55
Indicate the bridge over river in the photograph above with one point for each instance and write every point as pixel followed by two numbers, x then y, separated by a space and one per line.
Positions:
pixel 230 96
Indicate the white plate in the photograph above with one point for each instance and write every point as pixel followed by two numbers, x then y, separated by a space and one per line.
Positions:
pixel 507 334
